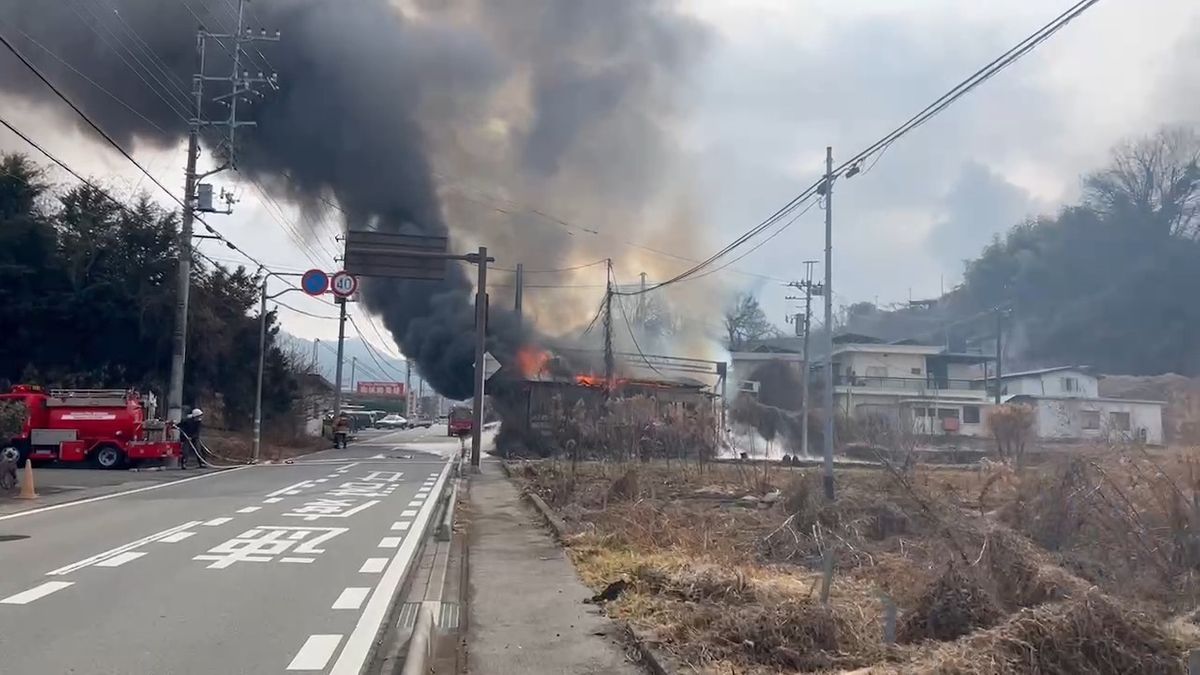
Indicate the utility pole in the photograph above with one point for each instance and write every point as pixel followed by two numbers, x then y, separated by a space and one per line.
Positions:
pixel 809 291
pixel 827 477
pixel 241 85
pixel 609 365
pixel 520 291
pixel 408 387
pixel 337 387
pixel 481 320
pixel 353 370
pixel 999 352
pixel 641 308
pixel 316 343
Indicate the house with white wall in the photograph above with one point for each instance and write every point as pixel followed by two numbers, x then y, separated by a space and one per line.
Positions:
pixel 928 387
pixel 1069 406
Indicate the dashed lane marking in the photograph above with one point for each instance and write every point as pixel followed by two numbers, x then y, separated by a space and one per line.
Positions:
pixel 120 559
pixel 92 560
pixel 416 503
pixel 249 509
pixel 295 559
pixel 176 537
pixel 401 525
pixel 272 500
pixel 390 542
pixel 217 521
pixel 41 591
pixel 315 653
pixel 291 489
pixel 373 566
pixel 408 513
pixel 351 598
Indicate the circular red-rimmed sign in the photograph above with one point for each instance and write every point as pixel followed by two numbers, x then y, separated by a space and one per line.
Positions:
pixel 314 282
pixel 343 284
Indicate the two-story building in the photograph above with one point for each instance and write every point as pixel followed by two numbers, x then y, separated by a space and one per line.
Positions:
pixel 928 387
pixel 1069 406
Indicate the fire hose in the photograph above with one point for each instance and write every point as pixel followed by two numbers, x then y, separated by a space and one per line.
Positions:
pixel 202 449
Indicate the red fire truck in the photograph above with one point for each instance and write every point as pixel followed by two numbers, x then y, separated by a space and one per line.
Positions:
pixel 109 427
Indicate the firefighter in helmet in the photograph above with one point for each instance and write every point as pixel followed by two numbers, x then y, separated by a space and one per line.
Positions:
pixel 189 427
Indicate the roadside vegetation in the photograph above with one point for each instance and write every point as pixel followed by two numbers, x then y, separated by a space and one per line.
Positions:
pixel 1082 563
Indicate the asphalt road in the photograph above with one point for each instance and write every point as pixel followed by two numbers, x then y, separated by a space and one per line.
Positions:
pixel 253 570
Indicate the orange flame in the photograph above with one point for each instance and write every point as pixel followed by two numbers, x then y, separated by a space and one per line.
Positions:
pixel 531 361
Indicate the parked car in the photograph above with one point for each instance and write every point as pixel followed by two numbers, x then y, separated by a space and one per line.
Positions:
pixel 392 422
pixel 422 422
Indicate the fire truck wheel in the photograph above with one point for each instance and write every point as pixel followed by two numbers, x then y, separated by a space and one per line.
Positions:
pixel 109 457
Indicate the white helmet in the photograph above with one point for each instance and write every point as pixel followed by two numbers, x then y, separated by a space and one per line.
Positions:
pixel 196 412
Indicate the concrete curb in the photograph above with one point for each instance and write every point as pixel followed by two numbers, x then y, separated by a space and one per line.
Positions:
pixel 556 523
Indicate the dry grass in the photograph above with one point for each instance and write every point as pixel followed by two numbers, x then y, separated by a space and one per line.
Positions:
pixel 730 584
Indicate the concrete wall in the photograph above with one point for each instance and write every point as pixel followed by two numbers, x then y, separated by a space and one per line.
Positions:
pixel 896 365
pixel 1062 419
pixel 1051 384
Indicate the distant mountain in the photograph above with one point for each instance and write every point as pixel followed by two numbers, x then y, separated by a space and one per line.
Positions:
pixel 368 362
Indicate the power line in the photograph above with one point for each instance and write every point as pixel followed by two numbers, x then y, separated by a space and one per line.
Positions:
pixel 853 165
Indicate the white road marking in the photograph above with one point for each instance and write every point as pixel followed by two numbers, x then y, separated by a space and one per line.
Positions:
pixel 121 549
pixel 217 521
pixel 322 480
pixel 401 525
pixel 176 537
pixel 347 467
pixel 424 491
pixel 416 503
pixel 121 559
pixel 272 500
pixel 92 500
pixel 351 598
pixel 373 566
pixel 26 597
pixel 294 559
pixel 390 542
pixel 358 645
pixel 315 653
pixel 408 513
pixel 249 509
pixel 288 490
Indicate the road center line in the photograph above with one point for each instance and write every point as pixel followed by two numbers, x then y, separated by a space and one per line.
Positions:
pixel 121 549
pixel 120 559
pixel 175 538
pixel 26 597
pixel 315 653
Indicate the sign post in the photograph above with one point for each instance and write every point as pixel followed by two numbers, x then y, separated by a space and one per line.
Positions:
pixel 407 256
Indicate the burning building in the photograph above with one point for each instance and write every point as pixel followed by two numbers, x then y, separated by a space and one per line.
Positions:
pixel 545 400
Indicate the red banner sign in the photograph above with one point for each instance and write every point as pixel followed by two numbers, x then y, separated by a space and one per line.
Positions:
pixel 395 389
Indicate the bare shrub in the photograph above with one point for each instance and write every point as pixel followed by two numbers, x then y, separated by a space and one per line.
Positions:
pixel 1012 425
pixel 954 605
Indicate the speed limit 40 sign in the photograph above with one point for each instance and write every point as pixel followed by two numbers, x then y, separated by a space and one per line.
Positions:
pixel 343 284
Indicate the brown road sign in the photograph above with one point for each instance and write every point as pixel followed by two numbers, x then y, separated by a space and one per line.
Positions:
pixel 400 256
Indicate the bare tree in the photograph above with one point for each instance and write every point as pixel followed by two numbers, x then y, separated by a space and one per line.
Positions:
pixel 1156 178
pixel 746 321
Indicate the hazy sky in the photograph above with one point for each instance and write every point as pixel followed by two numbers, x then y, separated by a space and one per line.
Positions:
pixel 781 79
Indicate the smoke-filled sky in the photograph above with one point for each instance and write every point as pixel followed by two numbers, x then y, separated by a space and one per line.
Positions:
pixel 673 126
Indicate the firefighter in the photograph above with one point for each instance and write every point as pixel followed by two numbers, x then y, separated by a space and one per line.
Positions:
pixel 341 430
pixel 190 429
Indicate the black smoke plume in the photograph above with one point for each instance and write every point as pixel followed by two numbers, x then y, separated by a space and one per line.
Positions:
pixel 371 96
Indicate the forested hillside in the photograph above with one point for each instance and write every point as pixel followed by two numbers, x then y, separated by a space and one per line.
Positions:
pixel 1110 282
pixel 87 292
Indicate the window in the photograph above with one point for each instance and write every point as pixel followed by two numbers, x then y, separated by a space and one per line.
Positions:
pixel 916 371
pixel 918 413
pixel 1069 384
pixel 1119 421
pixel 947 413
pixel 1090 419
pixel 970 414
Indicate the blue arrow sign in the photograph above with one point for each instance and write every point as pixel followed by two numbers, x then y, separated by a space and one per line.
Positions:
pixel 314 282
